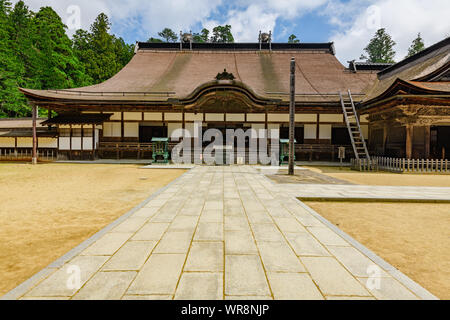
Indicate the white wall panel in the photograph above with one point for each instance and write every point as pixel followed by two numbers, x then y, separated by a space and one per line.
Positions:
pixel 64 143
pixel 310 131
pixel 131 130
pixel 7 142
pixel 25 142
pixel 278 117
pixel 325 131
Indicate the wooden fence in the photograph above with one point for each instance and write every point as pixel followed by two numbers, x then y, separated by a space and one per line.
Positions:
pixel 26 154
pixel 402 165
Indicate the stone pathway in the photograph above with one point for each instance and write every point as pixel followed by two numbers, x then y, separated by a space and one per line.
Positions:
pixel 221 233
pixel 349 192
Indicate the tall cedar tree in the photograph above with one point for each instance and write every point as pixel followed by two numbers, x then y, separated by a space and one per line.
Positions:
pixel 102 54
pixel 12 102
pixel 416 46
pixel 222 34
pixel 380 49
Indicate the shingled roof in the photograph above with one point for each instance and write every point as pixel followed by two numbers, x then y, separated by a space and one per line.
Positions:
pixel 161 73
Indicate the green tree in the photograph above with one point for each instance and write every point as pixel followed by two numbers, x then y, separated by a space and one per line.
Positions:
pixel 293 39
pixel 222 34
pixel 58 66
pixel 416 46
pixel 202 37
pixel 380 49
pixel 11 100
pixel 168 35
pixel 102 54
pixel 154 40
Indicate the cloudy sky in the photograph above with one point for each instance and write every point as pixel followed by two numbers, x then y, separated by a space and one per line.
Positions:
pixel 349 23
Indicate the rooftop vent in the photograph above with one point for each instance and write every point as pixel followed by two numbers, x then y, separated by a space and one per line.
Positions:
pixel 265 38
pixel 186 38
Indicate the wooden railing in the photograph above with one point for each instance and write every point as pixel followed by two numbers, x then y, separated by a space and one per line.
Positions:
pixel 26 154
pixel 402 165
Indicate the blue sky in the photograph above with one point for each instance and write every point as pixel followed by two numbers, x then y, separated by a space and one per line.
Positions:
pixel 348 23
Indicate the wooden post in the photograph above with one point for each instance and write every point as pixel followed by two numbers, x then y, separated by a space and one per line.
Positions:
pixel 34 157
pixel 292 121
pixel 427 141
pixel 409 133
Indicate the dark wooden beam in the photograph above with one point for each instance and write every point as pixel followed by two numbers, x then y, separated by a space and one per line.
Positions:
pixel 292 121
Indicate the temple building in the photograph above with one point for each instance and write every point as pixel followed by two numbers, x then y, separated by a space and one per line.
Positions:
pixel 403 109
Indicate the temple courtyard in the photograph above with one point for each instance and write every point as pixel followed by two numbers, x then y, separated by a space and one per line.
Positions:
pixel 217 233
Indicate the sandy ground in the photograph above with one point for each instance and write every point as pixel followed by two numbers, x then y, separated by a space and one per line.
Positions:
pixel 46 210
pixel 383 178
pixel 415 238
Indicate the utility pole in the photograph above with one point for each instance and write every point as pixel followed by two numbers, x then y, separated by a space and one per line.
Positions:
pixel 292 121
pixel 34 160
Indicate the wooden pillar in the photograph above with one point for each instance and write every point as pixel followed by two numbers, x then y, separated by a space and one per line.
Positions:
pixel 34 156
pixel 318 129
pixel 122 127
pixel 93 142
pixel 292 121
pixel 427 141
pixel 385 136
pixel 409 140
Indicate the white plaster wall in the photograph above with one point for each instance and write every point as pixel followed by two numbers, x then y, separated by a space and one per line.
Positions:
pixel 325 131
pixel 173 117
pixel 310 131
pixel 215 117
pixel 76 143
pixel 365 131
pixel 112 129
pixel 236 117
pixel 153 116
pixel 338 118
pixel 131 130
pixel 47 143
pixel 7 142
pixel 132 116
pixel 87 143
pixel 193 117
pixel 278 118
pixel 64 143
pixel 171 127
pixel 116 116
pixel 306 117
pixel 25 142
pixel 256 117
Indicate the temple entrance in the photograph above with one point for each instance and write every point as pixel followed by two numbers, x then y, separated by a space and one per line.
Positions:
pixel 147 133
pixel 440 142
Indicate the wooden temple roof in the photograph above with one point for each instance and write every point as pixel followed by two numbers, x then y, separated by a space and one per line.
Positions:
pixel 422 72
pixel 163 74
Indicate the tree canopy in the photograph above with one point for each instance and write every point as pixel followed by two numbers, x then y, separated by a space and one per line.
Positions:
pixel 293 39
pixel 416 46
pixel 222 34
pixel 36 53
pixel 380 49
pixel 168 35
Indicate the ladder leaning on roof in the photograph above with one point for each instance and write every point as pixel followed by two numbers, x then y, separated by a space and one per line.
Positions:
pixel 354 128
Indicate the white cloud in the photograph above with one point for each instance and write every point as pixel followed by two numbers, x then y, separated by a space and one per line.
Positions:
pixel 145 16
pixel 403 20
pixel 249 17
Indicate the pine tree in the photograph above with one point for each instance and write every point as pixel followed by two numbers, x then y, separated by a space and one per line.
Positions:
pixel 293 39
pixel 59 68
pixel 168 35
pixel 222 34
pixel 380 49
pixel 416 46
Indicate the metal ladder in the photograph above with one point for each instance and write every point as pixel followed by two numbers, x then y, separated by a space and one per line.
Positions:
pixel 354 128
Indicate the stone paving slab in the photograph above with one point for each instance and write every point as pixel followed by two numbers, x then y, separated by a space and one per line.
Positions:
pixel 221 233
pixel 360 192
